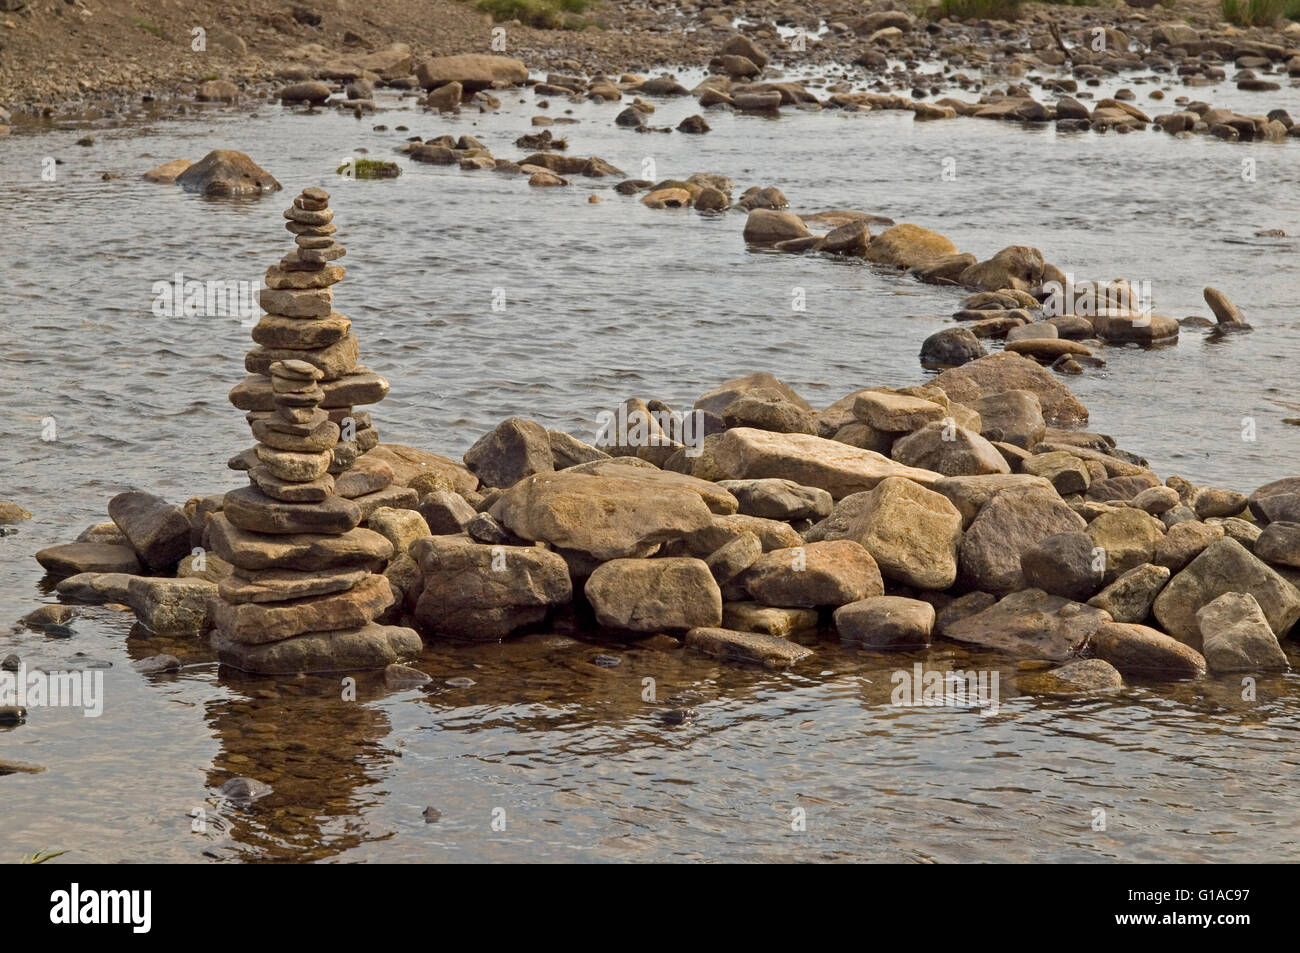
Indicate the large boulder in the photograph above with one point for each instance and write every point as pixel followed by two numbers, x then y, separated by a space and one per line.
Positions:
pixel 607 516
pixel 1011 416
pixel 481 593
pixel 946 448
pixel 1143 651
pixel 907 246
pixel 1011 522
pixel 474 71
pixel 171 606
pixel 1030 624
pixel 513 449
pixel 820 574
pixel 1236 636
pixel 1224 566
pixel 1063 564
pixel 156 530
pixel 370 646
pixel 970 493
pixel 73 559
pixel 1006 371
pixel 767 226
pixel 225 172
pixel 1130 597
pixel 1128 536
pixel 745 453
pixel 412 467
pixel 911 532
pixel 886 623
pixel 654 595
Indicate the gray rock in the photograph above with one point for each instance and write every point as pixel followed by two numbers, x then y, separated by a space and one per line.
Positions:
pixel 1064 564
pixel 769 650
pixel 1011 522
pixel 514 449
pixel 1030 624
pixel 1130 597
pixel 158 531
pixel 1142 651
pixel 1236 636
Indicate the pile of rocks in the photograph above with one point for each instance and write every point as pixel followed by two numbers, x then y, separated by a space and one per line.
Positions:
pixel 305 587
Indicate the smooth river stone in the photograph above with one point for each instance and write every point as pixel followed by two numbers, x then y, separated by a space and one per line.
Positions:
pixel 322 438
pixel 312 491
pixel 281 585
pixel 360 387
pixel 334 361
pixel 298 280
pixel 254 623
pixel 357 548
pixel 366 476
pixel 368 647
pixel 71 559
pixel 251 509
pixel 294 467
pixel 276 331
pixel 297 303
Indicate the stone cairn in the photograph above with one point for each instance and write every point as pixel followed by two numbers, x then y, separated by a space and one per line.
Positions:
pixel 306 588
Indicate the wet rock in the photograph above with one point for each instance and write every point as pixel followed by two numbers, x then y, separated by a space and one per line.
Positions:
pixel 54 614
pixel 908 246
pixel 478 592
pixel 1011 522
pixel 830 573
pixel 1236 636
pixel 70 559
pixel 158 531
pixel 368 647
pixel 244 790
pixel 766 226
pixel 445 97
pixel 951 347
pixel 1083 677
pixel 167 173
pixel 945 448
pixel 171 606
pixel 768 650
pixel 156 664
pixel 312 92
pixel 1224 566
pixel 768 620
pixel 886 623
pixel 1030 624
pixel 1063 564
pixel 10 663
pixel 401 677
pixel 1225 312
pixel 1138 650
pixel 962 607
pixel 225 172
pixel 910 531
pixel 654 595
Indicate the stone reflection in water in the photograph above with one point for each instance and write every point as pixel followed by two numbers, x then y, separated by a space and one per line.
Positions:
pixel 323 758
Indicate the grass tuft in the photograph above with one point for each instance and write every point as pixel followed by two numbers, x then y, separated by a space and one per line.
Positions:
pixel 1258 12
pixel 542 14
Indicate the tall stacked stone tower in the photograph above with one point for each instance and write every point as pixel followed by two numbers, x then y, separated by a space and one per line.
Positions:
pixel 307 584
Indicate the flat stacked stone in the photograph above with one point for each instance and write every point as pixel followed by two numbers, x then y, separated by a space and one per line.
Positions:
pixel 307 584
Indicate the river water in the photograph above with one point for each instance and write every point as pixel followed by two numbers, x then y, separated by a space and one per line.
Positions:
pixel 547 756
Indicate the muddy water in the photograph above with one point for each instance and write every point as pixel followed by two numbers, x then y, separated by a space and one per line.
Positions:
pixel 605 301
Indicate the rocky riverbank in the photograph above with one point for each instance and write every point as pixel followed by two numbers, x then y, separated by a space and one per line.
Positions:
pixel 103 62
pixel 747 527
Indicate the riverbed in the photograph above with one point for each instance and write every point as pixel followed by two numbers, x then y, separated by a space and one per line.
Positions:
pixel 547 756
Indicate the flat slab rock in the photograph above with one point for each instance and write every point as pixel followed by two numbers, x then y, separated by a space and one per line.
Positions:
pixel 355 549
pixel 70 559
pixel 255 623
pixel 367 647
pixel 1031 624
pixel 771 651
pixel 745 453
